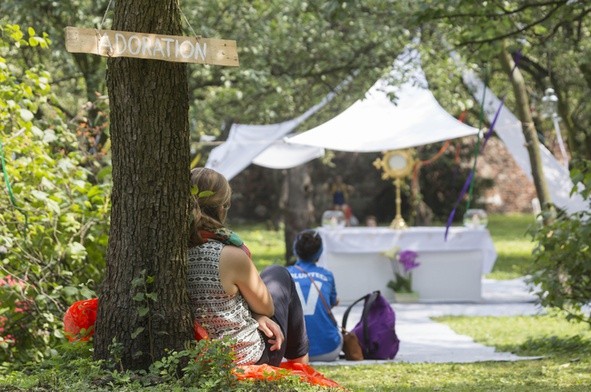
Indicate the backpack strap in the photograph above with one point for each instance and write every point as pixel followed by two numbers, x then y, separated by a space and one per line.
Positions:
pixel 346 314
pixel 324 302
pixel 371 298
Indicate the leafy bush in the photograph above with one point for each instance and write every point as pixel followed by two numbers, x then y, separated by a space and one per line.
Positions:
pixel 204 366
pixel 53 219
pixel 562 256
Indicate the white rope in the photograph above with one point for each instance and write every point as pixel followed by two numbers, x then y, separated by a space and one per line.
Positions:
pixel 105 15
pixel 187 22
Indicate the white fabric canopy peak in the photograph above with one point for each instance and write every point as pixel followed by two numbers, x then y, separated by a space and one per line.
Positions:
pixel 376 123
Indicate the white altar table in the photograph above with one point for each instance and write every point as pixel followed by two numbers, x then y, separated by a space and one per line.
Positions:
pixel 450 270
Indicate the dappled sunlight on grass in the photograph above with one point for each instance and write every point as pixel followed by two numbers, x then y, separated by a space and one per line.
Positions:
pixel 513 244
pixel 549 335
pixel 537 375
pixel 267 246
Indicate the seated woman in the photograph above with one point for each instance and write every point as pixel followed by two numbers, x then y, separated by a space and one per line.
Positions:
pixel 261 314
pixel 318 294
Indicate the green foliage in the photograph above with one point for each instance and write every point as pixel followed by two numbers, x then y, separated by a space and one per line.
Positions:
pixel 552 39
pixel 207 363
pixel 204 366
pixel 53 219
pixel 144 297
pixel 562 257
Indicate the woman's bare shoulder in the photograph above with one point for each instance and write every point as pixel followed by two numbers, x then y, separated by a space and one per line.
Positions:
pixel 236 256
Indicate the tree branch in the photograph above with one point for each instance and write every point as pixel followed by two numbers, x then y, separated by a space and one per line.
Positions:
pixel 511 33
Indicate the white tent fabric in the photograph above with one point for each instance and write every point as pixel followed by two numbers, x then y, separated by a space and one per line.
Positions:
pixel 246 142
pixel 281 155
pixel 375 123
pixel 508 128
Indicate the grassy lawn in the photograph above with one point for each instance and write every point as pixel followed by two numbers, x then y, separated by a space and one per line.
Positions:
pixel 565 347
pixel 512 243
pixel 565 366
pixel 267 246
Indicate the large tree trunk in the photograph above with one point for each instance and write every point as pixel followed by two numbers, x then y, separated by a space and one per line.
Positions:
pixel 530 133
pixel 144 307
pixel 299 208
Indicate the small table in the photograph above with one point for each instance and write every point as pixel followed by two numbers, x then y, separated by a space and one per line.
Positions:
pixel 450 270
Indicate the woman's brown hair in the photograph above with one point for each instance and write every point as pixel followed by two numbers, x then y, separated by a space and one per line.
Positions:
pixel 210 202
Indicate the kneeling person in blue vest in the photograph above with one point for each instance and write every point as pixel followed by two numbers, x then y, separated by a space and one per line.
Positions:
pixel 316 288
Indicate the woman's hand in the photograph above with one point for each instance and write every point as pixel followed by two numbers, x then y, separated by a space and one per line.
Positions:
pixel 271 330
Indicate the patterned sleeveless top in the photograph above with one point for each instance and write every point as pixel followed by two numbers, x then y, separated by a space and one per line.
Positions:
pixel 222 315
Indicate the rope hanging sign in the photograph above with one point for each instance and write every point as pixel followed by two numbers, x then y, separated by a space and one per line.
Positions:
pixel 112 43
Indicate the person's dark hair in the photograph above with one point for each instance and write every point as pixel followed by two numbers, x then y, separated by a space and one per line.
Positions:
pixel 210 202
pixel 308 245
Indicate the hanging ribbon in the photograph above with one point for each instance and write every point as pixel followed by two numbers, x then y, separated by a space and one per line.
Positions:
pixel 468 183
pixel 9 188
pixel 478 150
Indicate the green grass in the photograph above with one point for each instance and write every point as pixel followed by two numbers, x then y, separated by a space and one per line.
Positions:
pixel 267 246
pixel 512 243
pixel 565 366
pixel 565 347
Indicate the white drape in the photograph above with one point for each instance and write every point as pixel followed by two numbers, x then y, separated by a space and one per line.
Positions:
pixel 375 123
pixel 246 142
pixel 509 130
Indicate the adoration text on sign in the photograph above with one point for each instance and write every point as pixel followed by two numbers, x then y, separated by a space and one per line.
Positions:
pixel 112 43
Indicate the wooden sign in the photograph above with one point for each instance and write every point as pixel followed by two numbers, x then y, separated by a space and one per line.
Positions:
pixel 111 43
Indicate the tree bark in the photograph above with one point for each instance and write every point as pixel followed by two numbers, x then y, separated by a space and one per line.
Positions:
pixel 530 133
pixel 147 253
pixel 299 208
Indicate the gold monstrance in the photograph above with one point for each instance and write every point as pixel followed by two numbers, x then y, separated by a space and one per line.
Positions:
pixel 396 164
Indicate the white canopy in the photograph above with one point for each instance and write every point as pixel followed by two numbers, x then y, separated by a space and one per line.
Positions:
pixel 245 143
pixel 376 123
pixel 281 155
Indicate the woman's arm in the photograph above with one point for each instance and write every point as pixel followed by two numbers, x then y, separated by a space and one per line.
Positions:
pixel 238 273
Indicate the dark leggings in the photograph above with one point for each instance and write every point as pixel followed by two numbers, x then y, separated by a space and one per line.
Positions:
pixel 288 314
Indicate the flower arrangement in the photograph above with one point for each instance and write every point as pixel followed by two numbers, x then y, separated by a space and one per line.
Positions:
pixel 404 262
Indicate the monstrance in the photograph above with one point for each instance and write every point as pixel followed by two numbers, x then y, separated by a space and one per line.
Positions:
pixel 396 164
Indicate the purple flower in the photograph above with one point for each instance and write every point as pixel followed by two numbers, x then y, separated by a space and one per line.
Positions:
pixel 408 260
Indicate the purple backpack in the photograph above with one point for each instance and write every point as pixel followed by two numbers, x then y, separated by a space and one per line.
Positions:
pixel 376 330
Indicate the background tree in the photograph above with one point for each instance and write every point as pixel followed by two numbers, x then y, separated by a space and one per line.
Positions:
pixel 529 30
pixel 529 131
pixel 143 303
pixel 82 75
pixel 552 38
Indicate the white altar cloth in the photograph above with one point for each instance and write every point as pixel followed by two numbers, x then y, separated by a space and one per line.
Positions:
pixel 451 270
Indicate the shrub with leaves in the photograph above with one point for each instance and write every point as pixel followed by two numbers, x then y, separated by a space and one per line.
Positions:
pixel 562 256
pixel 53 219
